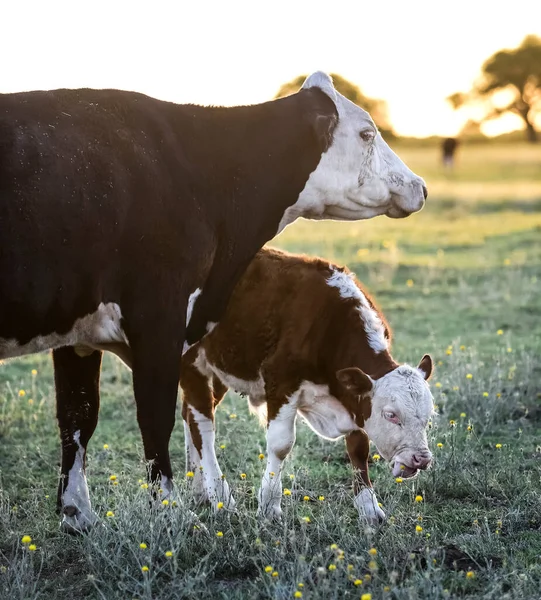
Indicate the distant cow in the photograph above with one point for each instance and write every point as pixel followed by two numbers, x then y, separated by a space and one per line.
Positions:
pixel 125 222
pixel 301 337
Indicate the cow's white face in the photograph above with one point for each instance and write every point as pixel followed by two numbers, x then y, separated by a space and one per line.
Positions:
pixel 402 405
pixel 359 176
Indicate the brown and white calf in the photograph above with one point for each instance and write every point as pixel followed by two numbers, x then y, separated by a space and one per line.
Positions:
pixel 301 337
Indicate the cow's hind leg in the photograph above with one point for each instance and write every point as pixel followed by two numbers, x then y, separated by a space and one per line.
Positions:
pixel 77 403
pixel 358 447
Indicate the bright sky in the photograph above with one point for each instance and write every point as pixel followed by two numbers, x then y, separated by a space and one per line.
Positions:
pixel 411 53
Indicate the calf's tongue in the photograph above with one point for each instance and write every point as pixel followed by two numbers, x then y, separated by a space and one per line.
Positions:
pixel 397 468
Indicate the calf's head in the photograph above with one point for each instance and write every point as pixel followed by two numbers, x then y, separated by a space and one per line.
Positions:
pixel 401 406
pixel 359 176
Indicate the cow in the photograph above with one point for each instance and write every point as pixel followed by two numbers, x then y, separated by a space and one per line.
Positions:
pixel 301 337
pixel 126 222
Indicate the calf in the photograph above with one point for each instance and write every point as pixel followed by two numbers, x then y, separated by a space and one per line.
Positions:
pixel 126 222
pixel 301 337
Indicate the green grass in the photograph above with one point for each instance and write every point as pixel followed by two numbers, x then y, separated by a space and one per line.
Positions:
pixel 448 280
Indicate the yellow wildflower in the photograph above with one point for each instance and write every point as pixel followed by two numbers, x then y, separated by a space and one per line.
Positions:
pixel 463 347
pixel 34 372
pixel 418 528
pixel 366 597
pixel 358 582
pixel 439 445
pixel 243 475
pixel 287 492
pixel 169 554
pixel 321 498
pixel 106 446
pixel 109 514
pixel 26 539
pixel 469 376
pixel 500 332
pixel 306 519
pixel 485 394
pixel 372 565
pixel 376 457
pixel 274 574
pixel 449 352
pixel 470 575
pixel 32 547
pixel 438 384
pixel 268 569
pixel 165 502
pixel 144 568
pixel 22 393
pixel 409 282
pixel 144 486
pixel 261 456
pixel 462 415
pixel 190 474
pixel 219 534
pixel 498 446
pixel 143 546
pixel 222 446
pixel 112 477
pixel 372 552
pixel 220 505
pixel 232 416
pixel 297 594
pixel 399 480
pixel 418 498
pixel 332 567
pixel 306 498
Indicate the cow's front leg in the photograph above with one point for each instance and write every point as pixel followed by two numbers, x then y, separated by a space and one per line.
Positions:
pixel 193 458
pixel 366 502
pixel 77 379
pixel 280 440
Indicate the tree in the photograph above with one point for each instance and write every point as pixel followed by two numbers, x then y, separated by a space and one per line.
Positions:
pixel 516 71
pixel 376 107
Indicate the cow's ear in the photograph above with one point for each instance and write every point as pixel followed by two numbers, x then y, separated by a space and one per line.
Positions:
pixel 354 381
pixel 324 126
pixel 426 366
pixel 323 82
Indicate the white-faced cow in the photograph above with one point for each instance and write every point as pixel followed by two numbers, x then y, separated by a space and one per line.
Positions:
pixel 127 221
pixel 301 337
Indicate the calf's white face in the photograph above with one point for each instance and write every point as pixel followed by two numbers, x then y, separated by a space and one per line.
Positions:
pixel 401 408
pixel 359 176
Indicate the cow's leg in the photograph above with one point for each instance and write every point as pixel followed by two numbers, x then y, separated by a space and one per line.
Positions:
pixel 199 402
pixel 156 373
pixel 77 400
pixel 366 502
pixel 280 440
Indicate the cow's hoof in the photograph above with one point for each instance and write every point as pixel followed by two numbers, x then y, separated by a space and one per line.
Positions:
pixel 75 521
pixel 368 507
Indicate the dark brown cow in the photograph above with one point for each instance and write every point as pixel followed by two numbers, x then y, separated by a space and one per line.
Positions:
pixel 126 221
pixel 301 337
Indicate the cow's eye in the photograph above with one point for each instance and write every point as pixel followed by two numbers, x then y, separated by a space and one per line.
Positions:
pixel 391 416
pixel 367 135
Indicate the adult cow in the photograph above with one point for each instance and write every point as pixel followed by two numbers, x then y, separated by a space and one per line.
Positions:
pixel 128 220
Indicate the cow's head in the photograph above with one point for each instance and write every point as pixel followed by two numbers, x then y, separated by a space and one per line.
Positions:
pixel 358 176
pixel 401 408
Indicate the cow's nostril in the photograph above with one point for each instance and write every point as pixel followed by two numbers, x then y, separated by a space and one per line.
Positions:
pixel 425 192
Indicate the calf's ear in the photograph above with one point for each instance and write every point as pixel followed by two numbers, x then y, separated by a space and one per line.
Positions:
pixel 426 365
pixel 354 380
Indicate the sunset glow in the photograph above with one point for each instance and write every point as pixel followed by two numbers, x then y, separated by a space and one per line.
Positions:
pixel 412 54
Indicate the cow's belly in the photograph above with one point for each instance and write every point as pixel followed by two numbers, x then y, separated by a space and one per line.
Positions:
pixel 95 330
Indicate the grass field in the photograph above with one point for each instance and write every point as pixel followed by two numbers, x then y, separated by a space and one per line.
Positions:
pixel 461 280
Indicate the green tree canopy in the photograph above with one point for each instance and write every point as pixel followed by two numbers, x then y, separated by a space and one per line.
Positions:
pixel 517 71
pixel 376 107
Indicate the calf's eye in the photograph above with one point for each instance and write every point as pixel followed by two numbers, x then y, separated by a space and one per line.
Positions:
pixel 391 416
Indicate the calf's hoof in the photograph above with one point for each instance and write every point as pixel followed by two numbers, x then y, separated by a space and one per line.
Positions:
pixel 76 521
pixel 369 510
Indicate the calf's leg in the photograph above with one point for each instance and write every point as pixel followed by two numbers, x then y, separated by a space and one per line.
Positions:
pixel 366 502
pixel 77 403
pixel 280 441
pixel 200 398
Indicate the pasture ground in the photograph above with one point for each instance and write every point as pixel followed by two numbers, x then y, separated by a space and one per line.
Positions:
pixel 461 280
